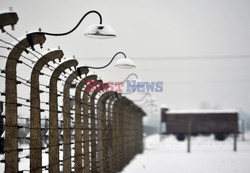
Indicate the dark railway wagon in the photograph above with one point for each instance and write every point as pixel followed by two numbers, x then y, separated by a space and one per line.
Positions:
pixel 219 123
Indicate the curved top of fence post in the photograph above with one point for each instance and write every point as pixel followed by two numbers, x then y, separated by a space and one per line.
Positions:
pixel 81 85
pixel 98 88
pixel 45 59
pixel 61 68
pixel 15 54
pixel 70 78
pixel 22 45
pixel 8 18
pixel 105 96
pixel 73 76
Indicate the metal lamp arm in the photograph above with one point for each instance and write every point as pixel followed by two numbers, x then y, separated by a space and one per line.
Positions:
pixel 109 61
pixel 66 33
pixel 30 39
pixel 132 74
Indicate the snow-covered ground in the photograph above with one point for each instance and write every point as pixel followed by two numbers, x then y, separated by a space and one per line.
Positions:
pixel 207 156
pixel 170 156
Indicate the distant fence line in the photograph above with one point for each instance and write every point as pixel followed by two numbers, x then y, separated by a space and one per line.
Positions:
pixel 97 132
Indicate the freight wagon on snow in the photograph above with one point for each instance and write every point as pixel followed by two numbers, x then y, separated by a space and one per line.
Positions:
pixel 180 123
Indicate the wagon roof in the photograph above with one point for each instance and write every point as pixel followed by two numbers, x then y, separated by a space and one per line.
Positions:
pixel 201 111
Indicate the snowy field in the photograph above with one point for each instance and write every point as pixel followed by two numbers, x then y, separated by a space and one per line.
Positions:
pixel 207 156
pixel 170 156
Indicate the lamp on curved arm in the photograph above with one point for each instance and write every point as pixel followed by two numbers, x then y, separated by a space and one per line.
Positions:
pixel 135 86
pixel 99 31
pixel 122 63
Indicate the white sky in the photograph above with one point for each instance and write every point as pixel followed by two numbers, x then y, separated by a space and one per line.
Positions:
pixel 200 49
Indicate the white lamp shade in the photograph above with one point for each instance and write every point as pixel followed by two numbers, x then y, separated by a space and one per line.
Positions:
pixel 125 63
pixel 100 31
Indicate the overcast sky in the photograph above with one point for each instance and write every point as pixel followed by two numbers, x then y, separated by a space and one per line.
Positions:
pixel 200 49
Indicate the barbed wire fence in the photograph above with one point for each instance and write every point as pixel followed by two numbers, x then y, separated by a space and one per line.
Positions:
pixel 48 128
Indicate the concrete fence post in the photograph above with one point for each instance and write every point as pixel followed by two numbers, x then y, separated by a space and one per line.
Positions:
pixel 115 135
pixel 78 123
pixel 86 120
pixel 35 111
pixel 53 115
pixel 94 139
pixel 102 132
pixel 1 129
pixel 110 131
pixel 66 118
pixel 11 141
